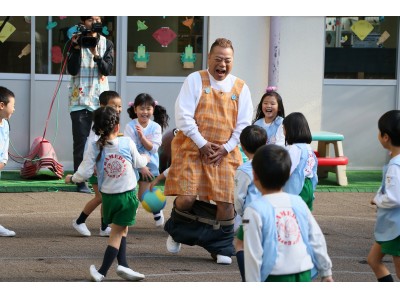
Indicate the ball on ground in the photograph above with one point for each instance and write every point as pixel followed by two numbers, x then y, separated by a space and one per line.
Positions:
pixel 153 201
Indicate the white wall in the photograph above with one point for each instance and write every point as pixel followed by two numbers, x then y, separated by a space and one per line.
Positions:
pixel 301 64
pixel 251 49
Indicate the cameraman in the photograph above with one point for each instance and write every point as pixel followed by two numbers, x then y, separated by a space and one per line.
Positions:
pixel 89 68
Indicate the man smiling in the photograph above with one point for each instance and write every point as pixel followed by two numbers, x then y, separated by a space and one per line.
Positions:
pixel 211 110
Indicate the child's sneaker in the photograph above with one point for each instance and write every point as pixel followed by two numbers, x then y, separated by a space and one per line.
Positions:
pixel 129 274
pixel 160 221
pixel 223 260
pixel 173 246
pixel 81 228
pixel 95 275
pixel 105 232
pixel 5 232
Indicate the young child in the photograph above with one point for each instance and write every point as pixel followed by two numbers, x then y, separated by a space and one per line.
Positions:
pixel 7 108
pixel 115 159
pixel 251 138
pixel 147 135
pixel 270 114
pixel 106 98
pixel 282 240
pixel 303 173
pixel 387 200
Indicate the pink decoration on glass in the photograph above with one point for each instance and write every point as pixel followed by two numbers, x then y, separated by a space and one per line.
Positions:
pixel 164 36
pixel 56 54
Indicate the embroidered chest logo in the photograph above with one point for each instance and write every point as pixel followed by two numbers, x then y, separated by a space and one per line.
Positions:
pixel 287 228
pixel 115 165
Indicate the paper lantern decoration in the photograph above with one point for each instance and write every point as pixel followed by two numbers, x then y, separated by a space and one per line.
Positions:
pixel 164 36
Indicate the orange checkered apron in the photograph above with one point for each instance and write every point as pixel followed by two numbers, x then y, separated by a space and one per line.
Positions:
pixel 216 117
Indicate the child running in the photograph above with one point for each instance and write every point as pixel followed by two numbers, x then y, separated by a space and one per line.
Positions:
pixel 270 114
pixel 7 108
pixel 147 135
pixel 387 200
pixel 106 98
pixel 282 240
pixel 251 138
pixel 303 173
pixel 115 159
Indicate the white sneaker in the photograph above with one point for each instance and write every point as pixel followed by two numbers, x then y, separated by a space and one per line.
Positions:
pixel 173 246
pixel 81 228
pixel 223 260
pixel 96 276
pixel 160 221
pixel 129 274
pixel 105 232
pixel 5 232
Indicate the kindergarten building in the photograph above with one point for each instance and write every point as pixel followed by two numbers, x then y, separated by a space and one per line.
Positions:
pixel 340 72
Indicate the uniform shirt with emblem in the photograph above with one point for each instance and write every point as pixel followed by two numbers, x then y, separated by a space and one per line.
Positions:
pixel 118 173
pixel 292 256
pixel 391 196
pixel 4 141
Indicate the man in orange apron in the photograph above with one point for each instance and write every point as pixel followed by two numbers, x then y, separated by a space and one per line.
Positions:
pixel 211 110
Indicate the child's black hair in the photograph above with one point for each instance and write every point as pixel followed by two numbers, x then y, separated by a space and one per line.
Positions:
pixel 107 96
pixel 5 95
pixel 104 121
pixel 252 138
pixel 389 123
pixel 160 113
pixel 281 109
pixel 296 129
pixel 271 163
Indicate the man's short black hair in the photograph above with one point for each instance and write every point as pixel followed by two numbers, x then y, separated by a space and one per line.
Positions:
pixel 252 138
pixel 271 164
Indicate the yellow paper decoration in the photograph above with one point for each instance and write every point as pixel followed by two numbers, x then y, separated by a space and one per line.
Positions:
pixel 6 32
pixel 362 28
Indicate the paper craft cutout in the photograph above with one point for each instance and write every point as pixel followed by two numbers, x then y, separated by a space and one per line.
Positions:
pixel 188 22
pixel 51 25
pixel 72 31
pixel 56 54
pixel 25 51
pixel 384 36
pixel 27 19
pixel 141 57
pixel 164 36
pixel 62 18
pixel 105 30
pixel 187 58
pixel 141 25
pixel 362 28
pixel 7 30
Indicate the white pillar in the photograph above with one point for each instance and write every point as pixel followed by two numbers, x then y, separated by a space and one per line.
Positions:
pixel 274 52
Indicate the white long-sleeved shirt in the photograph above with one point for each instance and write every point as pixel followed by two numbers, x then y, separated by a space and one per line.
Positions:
pixel 4 140
pixel 118 173
pixel 391 197
pixel 188 99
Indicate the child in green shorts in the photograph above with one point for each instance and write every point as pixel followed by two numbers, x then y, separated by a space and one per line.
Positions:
pixel 387 200
pixel 115 159
pixel 106 98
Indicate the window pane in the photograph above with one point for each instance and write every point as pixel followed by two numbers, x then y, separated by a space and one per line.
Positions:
pixel 56 29
pixel 15 42
pixel 164 46
pixel 361 47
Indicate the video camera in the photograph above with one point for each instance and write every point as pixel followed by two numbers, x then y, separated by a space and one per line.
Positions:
pixel 88 41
